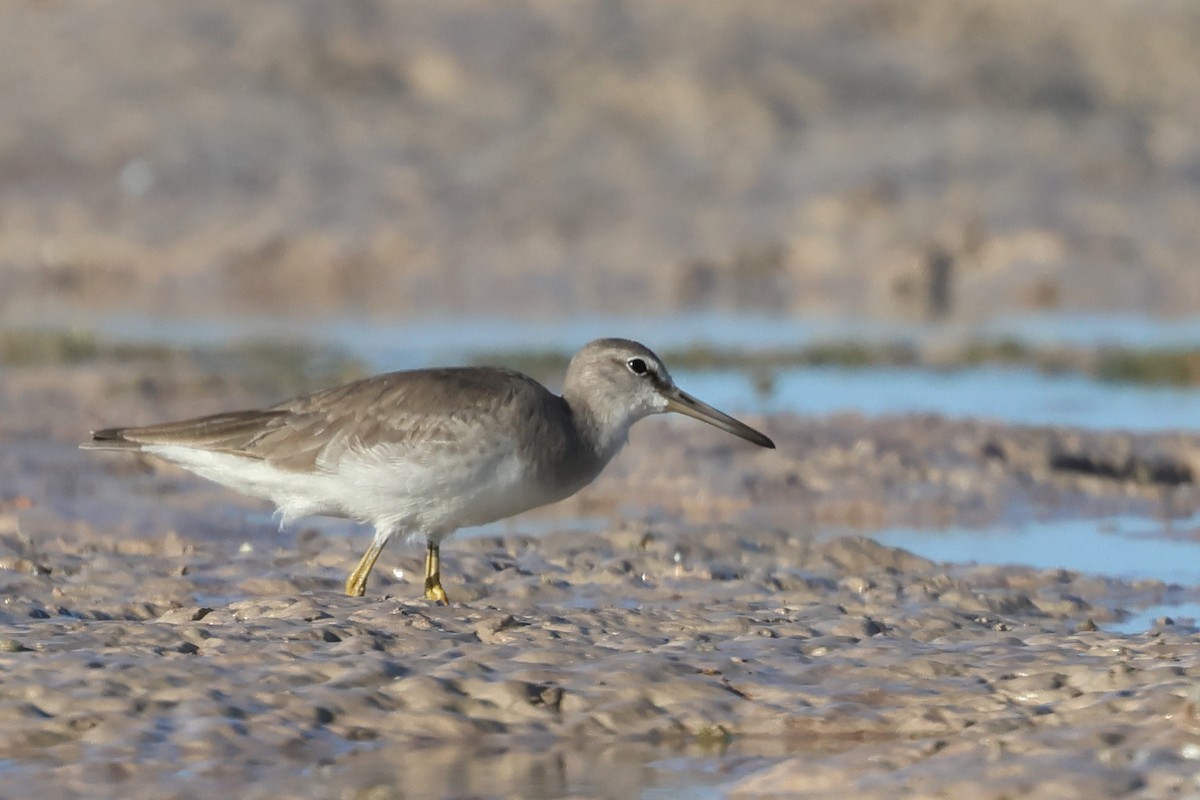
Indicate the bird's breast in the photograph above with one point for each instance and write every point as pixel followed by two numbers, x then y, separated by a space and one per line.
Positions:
pixel 452 489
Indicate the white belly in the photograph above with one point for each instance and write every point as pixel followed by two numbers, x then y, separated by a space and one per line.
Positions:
pixel 379 487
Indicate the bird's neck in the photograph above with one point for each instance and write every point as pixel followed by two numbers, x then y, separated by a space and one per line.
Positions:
pixel 604 434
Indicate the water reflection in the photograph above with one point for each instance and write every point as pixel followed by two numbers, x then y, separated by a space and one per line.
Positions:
pixel 621 770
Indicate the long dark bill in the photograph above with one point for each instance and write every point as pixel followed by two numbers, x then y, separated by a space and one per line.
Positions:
pixel 681 402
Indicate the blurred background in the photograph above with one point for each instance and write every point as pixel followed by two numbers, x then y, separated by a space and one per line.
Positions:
pixel 868 160
pixel 747 186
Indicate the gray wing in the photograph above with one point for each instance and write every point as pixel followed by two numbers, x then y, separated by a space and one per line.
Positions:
pixel 227 432
pixel 415 411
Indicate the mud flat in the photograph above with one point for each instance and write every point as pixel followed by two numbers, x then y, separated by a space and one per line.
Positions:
pixel 705 618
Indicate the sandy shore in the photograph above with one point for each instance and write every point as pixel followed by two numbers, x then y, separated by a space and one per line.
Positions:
pixel 704 615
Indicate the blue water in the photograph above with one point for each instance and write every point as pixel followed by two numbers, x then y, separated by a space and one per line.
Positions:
pixel 1147 618
pixel 1012 395
pixel 399 344
pixel 1091 330
pixel 1019 396
pixel 1129 548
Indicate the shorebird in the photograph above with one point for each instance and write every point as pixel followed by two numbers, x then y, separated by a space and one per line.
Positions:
pixel 429 451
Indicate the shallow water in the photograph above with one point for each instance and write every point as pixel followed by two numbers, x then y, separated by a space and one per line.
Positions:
pixel 1091 330
pixel 1016 396
pixel 1125 547
pixel 642 770
pixel 1020 396
pixel 392 345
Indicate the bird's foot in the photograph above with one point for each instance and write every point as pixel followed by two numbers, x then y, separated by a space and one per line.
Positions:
pixel 435 592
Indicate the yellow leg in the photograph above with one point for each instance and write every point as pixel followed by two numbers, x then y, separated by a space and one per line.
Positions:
pixel 433 575
pixel 356 584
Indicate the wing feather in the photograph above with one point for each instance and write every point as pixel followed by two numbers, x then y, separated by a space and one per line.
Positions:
pixel 417 414
pixel 227 432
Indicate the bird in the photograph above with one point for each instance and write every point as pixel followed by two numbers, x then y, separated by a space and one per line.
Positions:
pixel 429 451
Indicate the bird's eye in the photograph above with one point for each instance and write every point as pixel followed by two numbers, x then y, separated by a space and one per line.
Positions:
pixel 637 366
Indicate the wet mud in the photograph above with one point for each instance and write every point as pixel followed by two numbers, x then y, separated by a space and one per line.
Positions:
pixel 705 617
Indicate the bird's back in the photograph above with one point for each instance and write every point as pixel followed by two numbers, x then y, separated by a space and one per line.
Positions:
pixel 409 410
